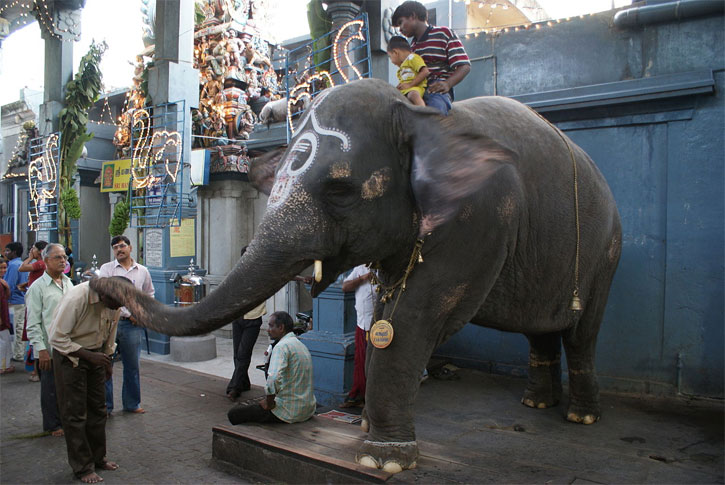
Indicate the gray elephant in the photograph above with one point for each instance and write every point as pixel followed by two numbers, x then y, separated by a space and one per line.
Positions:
pixel 489 215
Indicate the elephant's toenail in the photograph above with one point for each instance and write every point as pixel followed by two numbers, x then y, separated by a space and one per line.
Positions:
pixel 368 461
pixel 392 467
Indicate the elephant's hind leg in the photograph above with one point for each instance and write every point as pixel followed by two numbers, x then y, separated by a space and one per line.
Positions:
pixel 580 345
pixel 543 389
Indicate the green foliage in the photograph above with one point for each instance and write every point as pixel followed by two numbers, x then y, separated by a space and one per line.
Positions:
pixel 69 199
pixel 320 24
pixel 80 94
pixel 198 14
pixel 119 221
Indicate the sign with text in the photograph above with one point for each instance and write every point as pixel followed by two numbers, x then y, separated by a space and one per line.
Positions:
pixel 115 175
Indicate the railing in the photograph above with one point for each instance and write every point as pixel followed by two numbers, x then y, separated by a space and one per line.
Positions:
pixel 338 57
pixel 157 165
pixel 43 168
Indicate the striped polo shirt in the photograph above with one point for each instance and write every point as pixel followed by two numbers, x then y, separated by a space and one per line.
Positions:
pixel 441 50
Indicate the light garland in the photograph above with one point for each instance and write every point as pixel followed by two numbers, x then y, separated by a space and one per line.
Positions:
pixel 346 46
pixel 147 150
pixel 294 98
pixel 303 87
pixel 106 108
pixel 43 172
pixel 517 27
pixel 511 27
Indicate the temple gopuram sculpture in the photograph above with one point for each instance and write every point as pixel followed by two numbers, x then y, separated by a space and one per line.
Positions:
pixel 235 74
pixel 236 79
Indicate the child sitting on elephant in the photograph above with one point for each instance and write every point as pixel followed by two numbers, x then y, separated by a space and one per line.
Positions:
pixel 412 71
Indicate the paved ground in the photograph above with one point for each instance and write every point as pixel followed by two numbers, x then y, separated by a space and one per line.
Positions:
pixel 476 418
pixel 171 443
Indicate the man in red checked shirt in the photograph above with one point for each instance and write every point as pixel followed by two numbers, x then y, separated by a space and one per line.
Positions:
pixel 441 50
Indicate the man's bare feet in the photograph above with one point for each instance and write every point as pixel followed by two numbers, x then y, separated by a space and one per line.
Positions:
pixel 8 370
pixel 92 477
pixel 108 465
pixel 57 433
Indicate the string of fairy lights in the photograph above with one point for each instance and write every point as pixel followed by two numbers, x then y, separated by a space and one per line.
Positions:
pixel 44 16
pixel 492 6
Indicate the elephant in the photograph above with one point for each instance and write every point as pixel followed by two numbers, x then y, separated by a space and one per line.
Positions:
pixel 489 215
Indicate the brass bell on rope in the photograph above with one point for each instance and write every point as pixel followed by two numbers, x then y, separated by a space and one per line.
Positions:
pixel 576 303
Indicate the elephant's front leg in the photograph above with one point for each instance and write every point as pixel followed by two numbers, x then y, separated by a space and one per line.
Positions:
pixel 393 379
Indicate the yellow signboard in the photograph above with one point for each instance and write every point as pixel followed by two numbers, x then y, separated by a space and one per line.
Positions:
pixel 115 175
pixel 182 239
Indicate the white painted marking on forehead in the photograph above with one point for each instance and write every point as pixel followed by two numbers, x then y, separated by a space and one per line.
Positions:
pixel 324 131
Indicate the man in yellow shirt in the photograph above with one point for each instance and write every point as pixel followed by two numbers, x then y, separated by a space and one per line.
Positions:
pixel 83 338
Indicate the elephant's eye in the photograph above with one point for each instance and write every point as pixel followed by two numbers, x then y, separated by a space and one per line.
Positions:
pixel 341 193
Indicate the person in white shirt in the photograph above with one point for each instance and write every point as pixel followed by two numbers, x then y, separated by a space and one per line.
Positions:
pixel 129 335
pixel 359 281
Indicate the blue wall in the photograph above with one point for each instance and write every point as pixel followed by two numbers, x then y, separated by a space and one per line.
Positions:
pixel 647 105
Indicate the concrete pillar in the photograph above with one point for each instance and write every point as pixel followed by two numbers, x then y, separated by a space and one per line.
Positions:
pixel 342 12
pixel 171 80
pixel 58 70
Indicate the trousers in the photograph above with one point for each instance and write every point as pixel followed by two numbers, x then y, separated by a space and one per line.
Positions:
pixel 128 339
pixel 358 374
pixel 18 315
pixel 439 101
pixel 49 400
pixel 82 407
pixel 251 413
pixel 244 336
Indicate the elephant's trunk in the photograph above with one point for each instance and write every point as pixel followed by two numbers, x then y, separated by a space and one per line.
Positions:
pixel 261 272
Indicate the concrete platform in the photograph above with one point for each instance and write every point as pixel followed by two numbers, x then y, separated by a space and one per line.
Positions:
pixel 474 430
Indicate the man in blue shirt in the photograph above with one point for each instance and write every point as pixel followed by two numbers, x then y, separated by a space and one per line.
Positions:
pixel 16 302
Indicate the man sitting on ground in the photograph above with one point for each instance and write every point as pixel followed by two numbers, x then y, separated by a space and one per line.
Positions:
pixel 289 384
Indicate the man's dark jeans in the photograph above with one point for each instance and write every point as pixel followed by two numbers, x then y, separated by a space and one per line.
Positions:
pixel 244 336
pixel 251 413
pixel 441 102
pixel 48 400
pixel 82 405
pixel 129 345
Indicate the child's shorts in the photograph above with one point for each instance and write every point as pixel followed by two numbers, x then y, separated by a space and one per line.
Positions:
pixel 419 89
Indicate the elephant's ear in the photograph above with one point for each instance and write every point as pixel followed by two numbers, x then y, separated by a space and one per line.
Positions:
pixel 449 163
pixel 262 169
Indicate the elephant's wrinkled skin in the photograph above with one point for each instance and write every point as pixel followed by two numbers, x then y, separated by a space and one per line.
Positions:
pixel 490 188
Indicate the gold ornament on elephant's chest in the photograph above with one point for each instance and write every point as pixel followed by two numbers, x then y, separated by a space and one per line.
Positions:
pixel 381 334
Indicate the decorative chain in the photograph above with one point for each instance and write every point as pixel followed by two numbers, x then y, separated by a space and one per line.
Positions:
pixel 576 200
pixel 389 291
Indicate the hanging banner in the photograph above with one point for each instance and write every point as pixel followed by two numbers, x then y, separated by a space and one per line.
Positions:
pixel 115 175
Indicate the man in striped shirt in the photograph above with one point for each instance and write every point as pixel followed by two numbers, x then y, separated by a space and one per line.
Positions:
pixel 441 50
pixel 289 389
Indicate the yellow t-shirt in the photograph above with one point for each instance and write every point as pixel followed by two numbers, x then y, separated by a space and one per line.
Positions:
pixel 410 68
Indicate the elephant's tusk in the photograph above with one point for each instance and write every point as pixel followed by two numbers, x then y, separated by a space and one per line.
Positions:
pixel 318 270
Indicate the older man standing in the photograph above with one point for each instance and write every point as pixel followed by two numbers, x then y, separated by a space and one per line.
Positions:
pixel 129 335
pixel 42 299
pixel 16 302
pixel 83 337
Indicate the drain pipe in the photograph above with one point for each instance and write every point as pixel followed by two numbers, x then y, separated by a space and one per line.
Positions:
pixel 666 12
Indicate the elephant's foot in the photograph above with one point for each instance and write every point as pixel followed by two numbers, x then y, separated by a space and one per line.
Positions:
pixel 390 456
pixel 541 398
pixel 537 402
pixel 583 397
pixel 365 421
pixel 583 414
pixel 544 387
